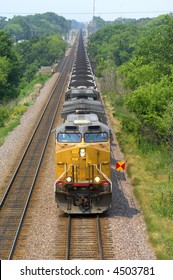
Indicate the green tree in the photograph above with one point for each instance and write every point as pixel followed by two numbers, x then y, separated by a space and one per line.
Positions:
pixel 25 27
pixel 38 51
pixel 142 54
pixel 3 22
pixel 115 42
pixel 152 105
pixel 9 68
pixel 15 31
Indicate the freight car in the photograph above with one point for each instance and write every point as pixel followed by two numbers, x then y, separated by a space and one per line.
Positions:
pixel 83 183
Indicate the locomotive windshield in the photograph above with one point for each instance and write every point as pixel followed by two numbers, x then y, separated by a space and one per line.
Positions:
pixel 96 137
pixel 69 137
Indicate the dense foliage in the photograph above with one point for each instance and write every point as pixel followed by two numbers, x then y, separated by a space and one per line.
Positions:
pixel 37 51
pixel 21 62
pixel 41 44
pixel 143 56
pixel 9 68
pixel 137 84
pixel 24 27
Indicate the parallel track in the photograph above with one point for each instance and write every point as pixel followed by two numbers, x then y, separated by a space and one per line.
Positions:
pixel 15 200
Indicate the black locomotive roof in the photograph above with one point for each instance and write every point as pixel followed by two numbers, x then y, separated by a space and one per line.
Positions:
pixel 82 123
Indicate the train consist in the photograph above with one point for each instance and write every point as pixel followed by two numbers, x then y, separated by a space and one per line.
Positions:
pixel 83 183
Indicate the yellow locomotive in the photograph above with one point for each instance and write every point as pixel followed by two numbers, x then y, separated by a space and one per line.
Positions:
pixel 83 182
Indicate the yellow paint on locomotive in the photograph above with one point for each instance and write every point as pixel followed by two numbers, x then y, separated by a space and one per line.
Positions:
pixel 82 168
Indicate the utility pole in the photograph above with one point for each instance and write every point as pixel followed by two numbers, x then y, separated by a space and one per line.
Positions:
pixel 93 8
pixel 93 21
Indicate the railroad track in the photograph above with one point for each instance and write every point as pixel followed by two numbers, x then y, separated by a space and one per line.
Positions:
pixel 88 238
pixel 14 203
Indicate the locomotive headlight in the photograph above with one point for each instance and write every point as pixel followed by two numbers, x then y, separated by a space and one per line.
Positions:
pixel 82 152
pixel 97 179
pixel 69 179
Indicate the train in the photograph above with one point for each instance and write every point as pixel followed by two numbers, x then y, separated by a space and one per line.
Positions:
pixel 82 154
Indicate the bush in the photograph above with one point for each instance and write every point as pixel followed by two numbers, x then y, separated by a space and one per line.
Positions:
pixel 19 110
pixel 4 114
pixel 131 124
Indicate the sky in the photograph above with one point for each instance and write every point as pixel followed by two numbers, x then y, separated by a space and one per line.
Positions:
pixel 83 10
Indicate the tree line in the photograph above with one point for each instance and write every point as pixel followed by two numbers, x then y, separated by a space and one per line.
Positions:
pixel 25 27
pixel 41 44
pixel 142 56
pixel 20 62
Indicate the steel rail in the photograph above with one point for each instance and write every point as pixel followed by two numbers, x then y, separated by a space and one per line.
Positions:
pixel 100 247
pixel 68 238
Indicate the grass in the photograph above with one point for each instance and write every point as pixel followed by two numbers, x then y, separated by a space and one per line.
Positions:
pixel 28 88
pixel 15 109
pixel 150 168
pixel 5 130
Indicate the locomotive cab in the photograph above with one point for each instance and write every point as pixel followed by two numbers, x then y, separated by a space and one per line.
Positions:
pixel 83 182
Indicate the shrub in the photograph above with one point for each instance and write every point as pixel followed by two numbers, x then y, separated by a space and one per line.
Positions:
pixel 19 110
pixel 4 114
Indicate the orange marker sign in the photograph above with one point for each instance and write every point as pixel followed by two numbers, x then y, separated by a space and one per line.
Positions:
pixel 120 165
